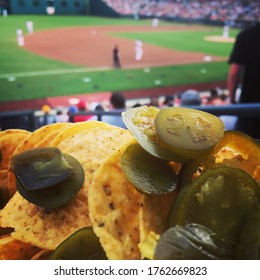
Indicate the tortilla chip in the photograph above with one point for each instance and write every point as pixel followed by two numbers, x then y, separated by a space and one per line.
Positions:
pixel 42 228
pixel 12 249
pixel 9 140
pixel 33 139
pixel 47 139
pixel 154 213
pixel 114 206
pixel 75 129
pixel 13 131
pixel 47 229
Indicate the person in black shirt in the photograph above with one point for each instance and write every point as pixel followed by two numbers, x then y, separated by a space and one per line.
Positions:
pixel 244 63
pixel 116 60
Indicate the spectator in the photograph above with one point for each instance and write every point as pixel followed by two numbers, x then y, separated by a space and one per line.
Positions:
pixel 244 62
pixel 47 117
pixel 217 99
pixel 61 117
pixel 230 12
pixel 82 108
pixel 99 109
pixel 214 98
pixel 177 100
pixel 136 105
pixel 71 111
pixel 118 105
pixel 168 101
pixel 154 101
pixel 190 97
pixel 223 97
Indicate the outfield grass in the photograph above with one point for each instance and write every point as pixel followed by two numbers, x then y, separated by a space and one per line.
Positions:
pixel 17 60
pixel 190 41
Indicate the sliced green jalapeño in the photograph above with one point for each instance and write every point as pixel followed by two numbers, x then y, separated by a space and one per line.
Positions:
pixel 140 122
pixel 148 174
pixel 56 177
pixel 81 245
pixel 220 199
pixel 192 242
pixel 188 133
pixel 40 168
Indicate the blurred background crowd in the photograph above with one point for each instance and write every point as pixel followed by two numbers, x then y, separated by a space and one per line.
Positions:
pixel 110 110
pixel 228 11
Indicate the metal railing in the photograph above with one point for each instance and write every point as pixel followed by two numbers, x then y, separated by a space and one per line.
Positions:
pixel 251 110
pixel 29 120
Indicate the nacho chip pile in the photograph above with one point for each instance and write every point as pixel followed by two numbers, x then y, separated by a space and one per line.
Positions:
pixel 91 190
pixel 120 216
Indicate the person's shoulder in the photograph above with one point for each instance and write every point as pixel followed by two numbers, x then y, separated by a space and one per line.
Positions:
pixel 256 25
pixel 250 36
pixel 250 31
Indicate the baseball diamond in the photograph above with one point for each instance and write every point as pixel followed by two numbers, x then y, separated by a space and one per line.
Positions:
pixel 90 48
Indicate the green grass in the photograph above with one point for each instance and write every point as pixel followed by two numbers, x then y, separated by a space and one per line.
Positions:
pixel 73 83
pixel 190 41
pixel 17 60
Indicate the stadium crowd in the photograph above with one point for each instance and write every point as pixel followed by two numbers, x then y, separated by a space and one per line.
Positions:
pixel 227 11
pixel 110 110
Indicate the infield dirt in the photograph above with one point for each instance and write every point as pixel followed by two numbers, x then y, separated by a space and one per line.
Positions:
pixel 92 46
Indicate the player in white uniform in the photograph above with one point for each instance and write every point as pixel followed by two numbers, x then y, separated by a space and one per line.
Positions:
pixel 20 39
pixel 138 50
pixel 29 26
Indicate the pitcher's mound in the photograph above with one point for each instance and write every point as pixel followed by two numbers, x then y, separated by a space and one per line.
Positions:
pixel 219 39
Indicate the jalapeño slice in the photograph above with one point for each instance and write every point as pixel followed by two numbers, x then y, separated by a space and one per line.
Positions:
pixel 148 174
pixel 140 122
pixel 188 133
pixel 220 199
pixel 238 149
pixel 40 168
pixel 81 245
pixel 249 245
pixel 235 149
pixel 52 192
pixel 192 242
pixel 189 171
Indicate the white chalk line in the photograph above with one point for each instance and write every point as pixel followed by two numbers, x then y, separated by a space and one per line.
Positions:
pixel 52 72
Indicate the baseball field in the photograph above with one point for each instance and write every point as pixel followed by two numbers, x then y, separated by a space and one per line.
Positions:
pixel 72 56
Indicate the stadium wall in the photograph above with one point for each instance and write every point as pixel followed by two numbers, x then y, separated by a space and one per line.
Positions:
pixel 62 7
pixel 99 8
